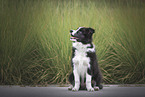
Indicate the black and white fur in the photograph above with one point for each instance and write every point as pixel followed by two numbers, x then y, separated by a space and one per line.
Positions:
pixel 86 73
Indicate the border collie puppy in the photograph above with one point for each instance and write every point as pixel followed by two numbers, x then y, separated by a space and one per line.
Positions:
pixel 86 73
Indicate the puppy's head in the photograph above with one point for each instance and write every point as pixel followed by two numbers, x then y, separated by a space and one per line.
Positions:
pixel 82 34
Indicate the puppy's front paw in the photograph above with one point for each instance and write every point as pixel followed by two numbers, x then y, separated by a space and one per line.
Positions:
pixel 75 89
pixel 90 89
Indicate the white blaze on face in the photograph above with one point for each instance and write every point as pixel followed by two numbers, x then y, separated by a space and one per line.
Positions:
pixel 75 31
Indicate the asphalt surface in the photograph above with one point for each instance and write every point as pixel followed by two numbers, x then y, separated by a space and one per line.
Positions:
pixel 53 91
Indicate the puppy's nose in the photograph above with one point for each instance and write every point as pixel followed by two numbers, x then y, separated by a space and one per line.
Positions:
pixel 71 31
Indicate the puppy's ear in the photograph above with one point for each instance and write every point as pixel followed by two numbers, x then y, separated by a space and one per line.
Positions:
pixel 92 30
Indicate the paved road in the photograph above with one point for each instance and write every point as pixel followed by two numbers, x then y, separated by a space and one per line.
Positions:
pixel 108 91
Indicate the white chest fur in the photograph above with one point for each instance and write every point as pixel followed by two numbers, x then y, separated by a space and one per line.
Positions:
pixel 80 60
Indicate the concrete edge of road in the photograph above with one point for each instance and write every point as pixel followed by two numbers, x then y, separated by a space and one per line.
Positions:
pixel 67 85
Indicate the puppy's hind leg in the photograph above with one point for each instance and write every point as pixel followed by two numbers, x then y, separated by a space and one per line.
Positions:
pixel 98 80
pixel 71 80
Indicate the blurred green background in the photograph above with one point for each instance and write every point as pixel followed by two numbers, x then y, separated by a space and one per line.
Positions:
pixel 35 46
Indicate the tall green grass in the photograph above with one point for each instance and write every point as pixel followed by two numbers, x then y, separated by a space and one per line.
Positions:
pixel 35 46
